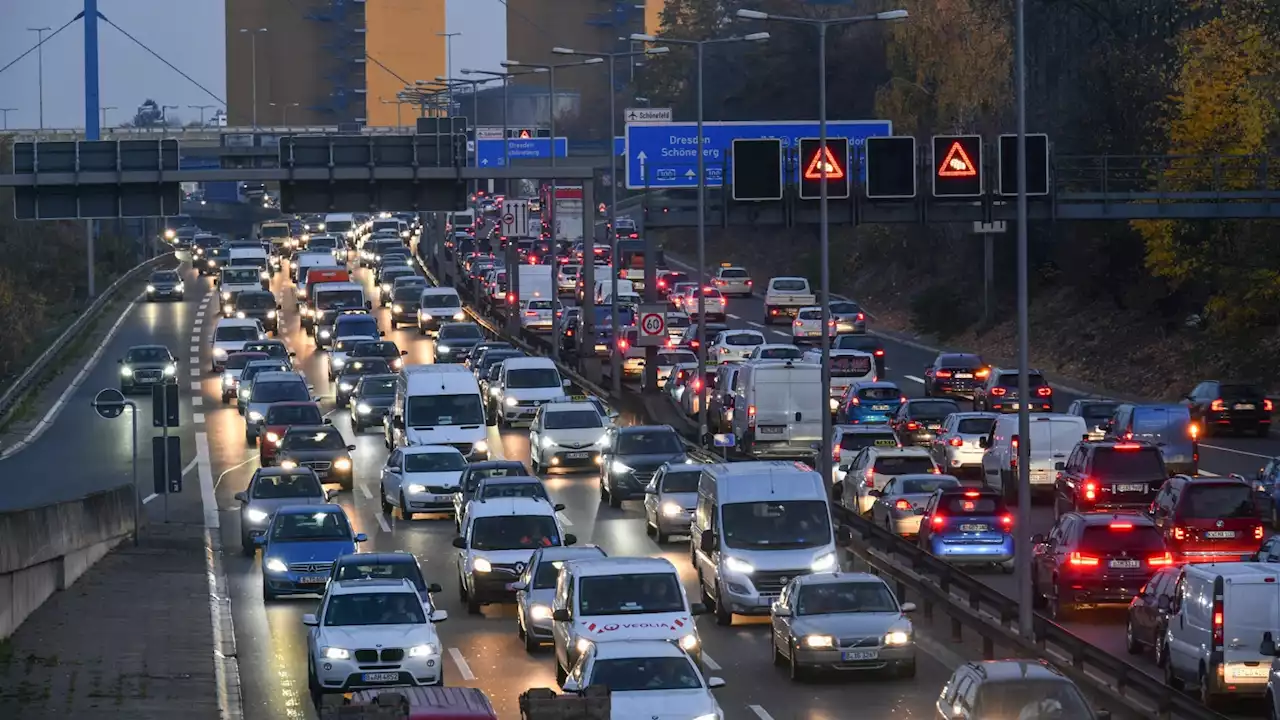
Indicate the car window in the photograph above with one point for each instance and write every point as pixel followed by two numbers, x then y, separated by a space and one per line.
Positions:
pixel 514 532
pixel 402 570
pixel 850 597
pixel 902 464
pixel 293 415
pixel 933 409
pixel 1214 501
pixel 313 440
pixel 514 490
pixel 147 355
pixel 971 504
pixel 789 285
pixel 571 419
pixel 311 526
pixel 271 392
pixel 1138 462
pixel 639 674
pixel 1121 537
pixel 975 426
pixel 925 486
pixel 629 594
pixel 289 485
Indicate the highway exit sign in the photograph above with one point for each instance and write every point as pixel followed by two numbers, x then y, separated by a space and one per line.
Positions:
pixel 648 115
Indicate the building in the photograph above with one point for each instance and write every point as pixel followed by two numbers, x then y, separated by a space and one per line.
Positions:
pixel 323 62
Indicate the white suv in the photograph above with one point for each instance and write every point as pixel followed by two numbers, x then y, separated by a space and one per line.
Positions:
pixel 372 633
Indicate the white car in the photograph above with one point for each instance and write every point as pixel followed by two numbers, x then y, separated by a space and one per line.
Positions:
pixel 668 359
pixel 677 323
pixel 807 327
pixel 955 446
pixel 538 316
pixel 565 434
pixel 734 345
pixel 646 679
pixel 339 352
pixel 874 466
pixel 732 280
pixel 421 479
pixel 357 616
pixel 567 278
pixel 230 335
pixel 496 544
pixel 900 504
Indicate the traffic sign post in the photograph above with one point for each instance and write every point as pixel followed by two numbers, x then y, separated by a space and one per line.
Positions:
pixel 891 168
pixel 515 217
pixel 957 166
pixel 1037 165
pixel 835 158
pixel 164 453
pixel 757 174
pixel 489 152
pixel 652 325
pixel 109 403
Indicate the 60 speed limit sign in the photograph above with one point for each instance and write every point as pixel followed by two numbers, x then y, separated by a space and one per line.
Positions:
pixel 652 325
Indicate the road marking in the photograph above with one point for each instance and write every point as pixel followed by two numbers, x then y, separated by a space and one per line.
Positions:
pixel 194 349
pixel 190 466
pixel 463 667
pixel 226 472
pixel 760 712
pixel 195 386
pixel 711 664
pixel 735 317
pixel 195 338
pixel 1233 450
pixel 197 401
pixel 195 362
pixel 197 418
pixel 912 378
pixel 564 519
pixel 200 313
pixel 382 522
pixel 368 494
pixel 149 498
pixel 755 324
pixel 226 668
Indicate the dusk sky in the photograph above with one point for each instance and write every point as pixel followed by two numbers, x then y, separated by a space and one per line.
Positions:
pixel 188 33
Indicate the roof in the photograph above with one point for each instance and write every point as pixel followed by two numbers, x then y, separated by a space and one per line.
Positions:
pixel 608 649
pixel 630 429
pixel 511 506
pixel 149 347
pixel 294 403
pixel 379 558
pixel 1106 518
pixel 277 471
pixel 867 384
pixel 309 509
pixel 364 585
pixel 970 414
pixel 571 552
pixel 427 449
pixel 335 286
pixel 490 464
pixel 864 429
pixel 910 450
pixel 1016 670
pixel 237 322
pixel 830 578
pixel 622 565
pixel 517 363
pixel 278 375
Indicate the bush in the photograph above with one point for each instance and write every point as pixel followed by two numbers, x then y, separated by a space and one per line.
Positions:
pixel 942 310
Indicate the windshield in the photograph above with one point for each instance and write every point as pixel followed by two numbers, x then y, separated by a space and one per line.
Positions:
pixel 927 485
pixel 337 226
pixel 289 485
pixel 237 361
pixel 733 273
pixel 460 332
pixel 378 348
pixel 404 570
pixel 630 594
pixel 275 231
pixel 1158 423
pixel 636 674
pixel 1212 501
pixel 390 274
pixel 845 597
pixel 148 355
pixel 533 378
pixel 880 394
pixel 649 442
pixel 503 469
pixel 903 465
pixel 1097 413
pixel 350 325
pixel 533 489
pixel 280 391
pixel 165 277
pixel 1124 537
pixel 776 525
pixel 257 262
pixel 971 504
pixel 960 362
pixel 234 333
pixel 431 410
pixel 240 276
pixel 571 420
pixel 377 387
pixel 255 301
pixel 668 359
pixel 844 308
pixel 329 299
pixel 367 366
pixel 322 243
pixel 405 293
pixel 514 532
pixel 271 349
pixel 366 608
pixel 742 339
pixel 386 225
pixel 259 366
pixel 547 575
pixel 434 462
pixel 1032 700
pixel 681 482
pixel 313 440
pixel 1144 463
pixel 782 353
pixel 318 525
pixel 1010 380
pixel 975 426
pixel 933 409
pixel 790 285
pixel 810 315
pixel 294 415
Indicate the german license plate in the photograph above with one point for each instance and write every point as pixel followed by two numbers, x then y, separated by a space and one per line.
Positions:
pixel 850 655
pixel 879 407
pixel 771 429
pixel 312 579
pixel 1131 488
pixel 1014 406
pixel 322 474
pixel 577 456
pixel 964 376
pixel 1039 476
pixel 382 677
pixel 1124 564
pixel 973 527
pixel 1251 672
pixel 1219 534
pixel 1244 406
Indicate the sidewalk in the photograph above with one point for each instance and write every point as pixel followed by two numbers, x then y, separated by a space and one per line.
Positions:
pixel 130 639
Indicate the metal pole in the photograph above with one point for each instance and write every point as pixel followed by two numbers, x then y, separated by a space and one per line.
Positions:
pixel 137 491
pixel 988 275
pixel 824 241
pixel 448 70
pixel 164 406
pixel 40 70
pixel 5 112
pixel 506 156
pixel 615 360
pixel 555 242
pixel 253 45
pixel 92 128
pixel 91 257
pixel 1022 552
pixel 702 263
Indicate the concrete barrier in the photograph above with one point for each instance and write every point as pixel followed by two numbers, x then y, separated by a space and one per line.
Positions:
pixel 46 549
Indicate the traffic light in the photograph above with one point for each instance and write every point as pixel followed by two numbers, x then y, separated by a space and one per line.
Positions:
pixel 1037 164
pixel 757 169
pixel 957 166
pixel 813 158
pixel 891 168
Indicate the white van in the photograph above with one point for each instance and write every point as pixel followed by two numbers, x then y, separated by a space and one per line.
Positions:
pixel 252 257
pixel 438 405
pixel 1053 437
pixel 626 291
pixel 757 525
pixel 234 280
pixel 1218 616
pixel 524 385
pixel 341 224
pixel 610 599
pixel 847 368
pixel 780 405
pixel 438 305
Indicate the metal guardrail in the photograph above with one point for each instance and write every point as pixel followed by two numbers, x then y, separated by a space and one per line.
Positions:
pixel 971 603
pixel 17 390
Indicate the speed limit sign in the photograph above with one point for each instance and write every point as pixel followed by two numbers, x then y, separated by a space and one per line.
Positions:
pixel 653 325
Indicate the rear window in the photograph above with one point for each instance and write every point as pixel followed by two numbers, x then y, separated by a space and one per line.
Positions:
pixel 1098 413
pixel 1161 423
pixel 900 465
pixel 885 394
pixel 1011 380
pixel 975 426
pixel 850 365
pixel 790 285
pixel 733 273
pixel 857 441
pixel 965 362
pixel 1217 501
pixel 927 486
pixel 1121 536
pixel 1112 463
pixel 1239 392
pixel 978 504
pixel 810 315
pixel 933 409
pixel 741 339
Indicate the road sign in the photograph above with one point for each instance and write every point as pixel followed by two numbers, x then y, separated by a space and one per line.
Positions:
pixel 957 166
pixel 515 217
pixel 489 133
pixel 722 440
pixel 620 146
pixel 109 403
pixel 168 482
pixel 757 172
pixel 666 154
pixel 652 325
pixel 836 159
pixel 1037 164
pixel 647 115
pixel 128 199
pixel 891 168
pixel 164 405
pixel 989 228
pixel 489 152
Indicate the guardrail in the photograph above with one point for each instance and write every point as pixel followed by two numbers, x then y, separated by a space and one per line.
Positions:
pixel 17 390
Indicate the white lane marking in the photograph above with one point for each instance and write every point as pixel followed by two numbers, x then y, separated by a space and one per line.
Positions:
pixel 711 664
pixel 190 466
pixel 149 498
pixel 755 324
pixel 1237 452
pixel 912 378
pixel 197 418
pixel 205 467
pixel 197 401
pixel 461 662
pixel 200 313
pixel 195 386
pixel 195 338
pixel 226 668
pixel 195 362
pixel 760 712
pixel 368 494
pixel 194 349
pixel 735 317
pixel 564 519
pixel 226 472
pixel 382 522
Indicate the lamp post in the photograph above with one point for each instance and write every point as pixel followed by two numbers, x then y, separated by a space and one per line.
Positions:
pixel 39 31
pixel 505 77
pixel 104 110
pixel 1022 552
pixel 700 45
pixel 448 58
pixel 284 111
pixel 824 239
pixel 5 112
pixel 615 359
pixel 397 102
pixel 253 66
pixel 201 108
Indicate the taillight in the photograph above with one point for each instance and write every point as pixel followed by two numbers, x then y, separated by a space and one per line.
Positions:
pixel 751 411
pixel 878 353
pixel 1267 405
pixel 1080 560
pixel 511 298
pixel 624 344
pixel 902 505
pixel 1090 490
pixel 1257 533
pixel 1179 533
pixel 943 373
pixel 998 391
pixel 797 323
pixel 1162 560
pixel 955 442
pixel 1044 391
pixel 1217 621
pixel 937 520
pixel 1217 406
pixel 1194 431
pixel 1006 521
pixel 861 317
pixel 530 313
pixel 913 425
pixel 697 385
pixel 870 478
pixel 982 373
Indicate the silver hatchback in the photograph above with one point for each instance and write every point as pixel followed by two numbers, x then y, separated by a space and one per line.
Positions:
pixel 270 489
pixel 669 499
pixel 536 588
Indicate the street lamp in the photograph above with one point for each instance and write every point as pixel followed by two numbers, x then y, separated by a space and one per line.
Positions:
pixel 1022 552
pixel 702 207
pixel 284 111
pixel 5 112
pixel 201 108
pixel 824 239
pixel 615 365
pixel 398 102
pixel 253 43
pixel 448 58
pixel 504 76
pixel 39 31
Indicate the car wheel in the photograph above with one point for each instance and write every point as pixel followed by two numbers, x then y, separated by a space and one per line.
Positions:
pixel 1059 610
pixel 1208 697
pixel 561 674
pixel 473 605
pixel 1171 678
pixel 356 427
pixel 1131 643
pixel 247 548
pixel 614 501
pixel 1161 649
pixel 723 616
pixel 537 466
pixel 531 644
pixel 794 670
pixel 659 536
pixel 907 669
pixel 267 595
pixel 405 513
pixel 778 657
pixel 382 498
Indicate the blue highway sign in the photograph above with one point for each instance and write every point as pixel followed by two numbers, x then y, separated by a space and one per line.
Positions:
pixel 619 146
pixel 667 152
pixel 489 152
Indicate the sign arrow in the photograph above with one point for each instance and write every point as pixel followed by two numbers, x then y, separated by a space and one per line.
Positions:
pixel 484 161
pixel 690 174
pixel 641 156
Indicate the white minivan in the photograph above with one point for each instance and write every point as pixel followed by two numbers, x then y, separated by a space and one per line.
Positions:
pixel 779 405
pixel 438 405
pixel 1053 437
pixel 438 305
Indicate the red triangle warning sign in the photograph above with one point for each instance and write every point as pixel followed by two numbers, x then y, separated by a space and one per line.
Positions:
pixel 524 135
pixel 957 163
pixel 828 158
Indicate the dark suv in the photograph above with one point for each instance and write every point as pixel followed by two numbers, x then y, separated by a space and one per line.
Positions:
pixel 1230 406
pixel 1109 475
pixel 959 374
pixel 1000 392
pixel 1207 519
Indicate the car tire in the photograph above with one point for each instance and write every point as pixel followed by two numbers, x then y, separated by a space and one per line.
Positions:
pixel 473 605
pixel 615 502
pixel 356 427
pixel 724 617
pixel 247 548
pixel 1131 643
pixel 658 536
pixel 795 671
pixel 267 595
pixel 405 514
pixel 907 669
pixel 531 644
pixel 778 658
pixel 387 508
pixel 1171 678
pixel 561 674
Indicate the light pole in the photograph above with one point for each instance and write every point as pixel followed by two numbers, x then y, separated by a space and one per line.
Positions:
pixel 824 231
pixel 40 31
pixel 398 102
pixel 702 208
pixel 1022 552
pixel 5 112
pixel 201 108
pixel 104 110
pixel 615 359
pixel 284 111
pixel 253 54
pixel 448 59
pixel 505 77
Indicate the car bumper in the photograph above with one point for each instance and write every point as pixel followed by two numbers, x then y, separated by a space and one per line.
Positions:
pixel 1012 407
pixel 1086 592
pixel 404 317
pixel 743 600
pixel 519 413
pixel 675 524
pixel 429 502
pixel 953 388
pixel 907 525
pixel 1213 555
pixel 562 457
pixel 539 629
pixel 868 418
pixel 851 328
pixel 345 675
pixel 918 438
pixel 977 553
pixel 963 460
pixel 168 294
pixel 857 658
pixel 291 584
pixel 492 588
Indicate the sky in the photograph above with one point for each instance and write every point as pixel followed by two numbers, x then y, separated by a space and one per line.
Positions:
pixel 188 33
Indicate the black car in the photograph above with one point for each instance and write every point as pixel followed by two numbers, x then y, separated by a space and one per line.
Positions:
pixel 865 343
pixel 398 565
pixel 385 349
pixel 1094 559
pixel 1109 475
pixel 478 471
pixel 481 349
pixel 955 374
pixel 371 400
pixel 1000 392
pixel 321 448
pixel 201 244
pixel 455 341
pixel 275 349
pixel 165 284
pixel 630 457
pixel 1238 407
pixel 404 305
pixel 354 369
pixel 213 260
pixel 918 420
pixel 257 305
pixel 387 280
pixel 146 365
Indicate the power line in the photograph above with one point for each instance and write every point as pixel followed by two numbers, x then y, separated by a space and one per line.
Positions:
pixel 161 59
pixel 37 45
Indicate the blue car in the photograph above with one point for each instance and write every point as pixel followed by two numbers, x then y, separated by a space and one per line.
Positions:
pixel 964 526
pixel 300 548
pixel 869 403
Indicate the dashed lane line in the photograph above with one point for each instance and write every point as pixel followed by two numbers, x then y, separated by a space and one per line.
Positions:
pixel 755 324
pixel 711 664
pixel 464 669
pixel 197 418
pixel 364 490
pixel 194 349
pixel 196 401
pixel 760 712
pixel 913 378
pixel 195 338
pixel 564 519
pixel 1233 450
pixel 195 386
pixel 382 522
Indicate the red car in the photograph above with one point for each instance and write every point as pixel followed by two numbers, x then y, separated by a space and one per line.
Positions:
pixel 279 417
pixel 1206 519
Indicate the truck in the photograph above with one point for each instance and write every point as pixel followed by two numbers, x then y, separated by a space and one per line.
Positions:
pixel 785 297
pixel 536 282
pixel 568 214
pixel 226 191
pixel 631 262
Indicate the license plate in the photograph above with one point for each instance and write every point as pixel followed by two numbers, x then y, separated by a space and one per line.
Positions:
pixel 1131 488
pixel 1015 406
pixel 1244 406
pixel 322 474
pixel 849 655
pixel 1039 476
pixel 1219 534
pixel 441 498
pixel 964 376
pixel 879 407
pixel 1250 672
pixel 577 455
pixel 771 430
pixel 381 677
pixel 1124 564
pixel 312 579
pixel 974 528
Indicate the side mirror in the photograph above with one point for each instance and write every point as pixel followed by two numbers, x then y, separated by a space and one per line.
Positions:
pixel 242 496
pixel 567 383
pixel 1037 539
pixel 517 586
pixel 404 352
pixel 561 615
pixel 715 682
pixel 1268 645
pixel 328 421
pixel 875 493
pixel 984 442
pixel 434 588
pixel 1164 604
pixel 570 539
pixel 559 507
pixel 570 686
pixel 368 304
pixel 908 607
pixel 260 540
pixel 707 543
pixel 781 611
pixel 351 447
pixel 460 543
pixel 439 616
pixel 361 537
pixel 310 620
pixel 293 354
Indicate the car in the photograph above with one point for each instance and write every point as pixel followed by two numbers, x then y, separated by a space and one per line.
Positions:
pixel 732 280
pixel 538 316
pixel 566 435
pixel 848 316
pixel 670 499
pixel 1014 689
pixel 320 448
pixel 232 369
pixel 274 348
pixel 278 418
pixel 847 621
pixel 968 526
pixel 253 368
pixel 1208 519
pixel 260 305
pixel 269 387
pixel 455 341
pixel 395 565
pixel 776 351
pixel 919 420
pixel 386 281
pixel 899 506
pixel 734 345
pixel 863 343
pixel 496 544
pixel 644 675
pixel 1109 475
pixel 712 302
pixel 1096 414
pixel 1148 615
pixel 525 384
pixel 300 546
pixel 847 440
pixel 270 489
pixel 165 284
pixel 473 475
pixel 526 486
pixel 872 467
pixel 371 400
pixel 869 403
pixel 379 622
pixel 807 326
pixel 955 375
pixel 144 366
pixel 678 293
pixel 668 360
pixel 667 281
pixel 632 455
pixel 957 445
pixel 230 335
pixel 421 479
pixel 1169 427
pixel 354 369
pixel 1230 406
pixel 1000 392
pixel 536 587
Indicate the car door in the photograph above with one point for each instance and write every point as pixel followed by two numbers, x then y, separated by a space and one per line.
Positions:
pixel 535 437
pixel 853 476
pixel 1043 556
pixel 938 448
pixel 880 510
pixel 651 496
pixel 391 474
pixel 926 520
pixel 781 626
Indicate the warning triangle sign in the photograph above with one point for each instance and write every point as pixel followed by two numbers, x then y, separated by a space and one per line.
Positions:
pixel 524 135
pixel 957 163
pixel 828 158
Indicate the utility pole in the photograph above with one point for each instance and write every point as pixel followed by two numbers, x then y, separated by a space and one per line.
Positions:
pixel 92 125
pixel 40 31
pixel 6 112
pixel 253 67
pixel 1022 550
pixel 448 61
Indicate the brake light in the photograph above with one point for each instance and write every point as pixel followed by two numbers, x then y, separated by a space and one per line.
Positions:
pixel 1127 446
pixel 1090 490
pixel 1217 621
pixel 1179 533
pixel 982 373
pixel 1013 443
pixel 943 373
pixel 856 401
pixel 870 478
pixel 902 505
pixel 697 384
pixel 748 283
pixel 1267 405
pixel 999 391
pixel 530 313
pixel 1217 406
pixel 937 520
pixel 797 323
pixel 1194 431
pixel 1257 533
pixel 913 425
pixel 1080 560
pixel 624 344
pixel 1121 526
pixel 1044 391
pixel 955 442
pixel 751 411
pixel 1163 560
pixel 971 493
pixel 861 316
pixel 511 298
pixel 1006 521
pixel 878 353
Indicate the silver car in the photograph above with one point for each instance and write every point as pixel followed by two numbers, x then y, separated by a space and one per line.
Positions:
pixel 669 499
pixel 536 588
pixel 900 504
pixel 268 388
pixel 849 317
pixel 842 621
pixel 270 489
pixel 955 445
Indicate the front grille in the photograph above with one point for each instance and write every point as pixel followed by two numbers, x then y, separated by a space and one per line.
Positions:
pixel 512 568
pixel 529 403
pixel 772 582
pixel 860 642
pixel 394 655
pixel 440 489
pixel 316 464
pixel 310 567
pixel 464 448
pixel 366 656
pixel 642 477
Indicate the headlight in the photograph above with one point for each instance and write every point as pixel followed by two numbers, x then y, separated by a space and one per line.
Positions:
pixel 240 315
pixel 511 402
pixel 255 416
pixel 689 642
pixel 277 565
pixel 228 379
pixel 620 467
pixel 338 361
pixel 363 409
pixel 819 641
pixel 548 443
pixel 220 353
pixel 170 370
pixel 496 392
pixel 244 393
pixel 273 437
pixel 264 275
pixel 397 308
pixel 346 387
pixel 415 488
pixel 226 294
pixel 481 446
pixel 211 263
pixel 333 653
pixel 733 564
pixel 169 234
pixel 459 316
pixel 342 464
pixel 835 404
pixel 126 371
pixel 151 288
pixel 256 515
pixel 271 313
pixel 320 227
pixel 179 288
pixel 604 439
pixel 226 309
pixel 481 565
pixel 583 645
pixel 386 287
pixel 826 563
pixel 288 464
pixel 671 509
pixel 422 650
pixel 444 349
pixel 897 637
pixel 424 315
pixel 324 334
pixel 540 612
